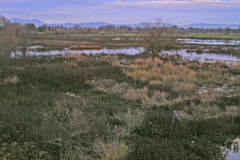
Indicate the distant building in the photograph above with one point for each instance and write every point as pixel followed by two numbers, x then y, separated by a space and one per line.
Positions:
pixel 3 20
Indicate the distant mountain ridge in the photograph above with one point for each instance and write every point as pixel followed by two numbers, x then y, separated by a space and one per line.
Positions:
pixel 24 21
pixel 97 24
pixel 90 24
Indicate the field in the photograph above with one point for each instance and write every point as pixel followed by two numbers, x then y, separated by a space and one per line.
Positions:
pixel 116 106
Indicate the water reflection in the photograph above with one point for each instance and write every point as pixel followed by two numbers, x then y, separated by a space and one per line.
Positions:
pixel 210 57
pixel 211 42
pixel 233 153
pixel 203 57
pixel 66 51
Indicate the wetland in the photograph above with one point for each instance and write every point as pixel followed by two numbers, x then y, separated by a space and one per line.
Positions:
pixel 120 101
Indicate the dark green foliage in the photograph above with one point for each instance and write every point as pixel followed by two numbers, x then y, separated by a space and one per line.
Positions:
pixel 163 136
pixel 224 101
pixel 235 71
pixel 115 122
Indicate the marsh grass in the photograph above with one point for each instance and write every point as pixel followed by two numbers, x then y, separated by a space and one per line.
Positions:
pixel 121 110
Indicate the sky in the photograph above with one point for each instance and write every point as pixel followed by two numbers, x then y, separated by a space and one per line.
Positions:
pixel 124 11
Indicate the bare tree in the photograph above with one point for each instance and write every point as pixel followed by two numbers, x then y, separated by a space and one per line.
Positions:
pixel 23 39
pixel 239 28
pixel 13 35
pixel 227 30
pixel 72 124
pixel 8 39
pixel 157 35
pixel 3 21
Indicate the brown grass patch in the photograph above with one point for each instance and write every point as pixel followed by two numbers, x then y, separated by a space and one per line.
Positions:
pixel 135 94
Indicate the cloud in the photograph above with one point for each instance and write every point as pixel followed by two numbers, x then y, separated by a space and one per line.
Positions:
pixel 195 2
pixel 123 11
pixel 187 6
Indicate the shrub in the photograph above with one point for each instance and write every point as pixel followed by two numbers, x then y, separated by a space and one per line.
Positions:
pixel 71 127
pixel 111 150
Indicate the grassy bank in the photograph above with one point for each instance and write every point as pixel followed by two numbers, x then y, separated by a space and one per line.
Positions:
pixel 135 35
pixel 101 107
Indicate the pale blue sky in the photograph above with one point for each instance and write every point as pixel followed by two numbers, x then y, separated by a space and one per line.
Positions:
pixel 123 11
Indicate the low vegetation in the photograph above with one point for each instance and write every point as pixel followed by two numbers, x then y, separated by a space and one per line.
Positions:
pixel 94 107
pixel 145 106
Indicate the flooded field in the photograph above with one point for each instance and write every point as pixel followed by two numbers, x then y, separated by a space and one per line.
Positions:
pixel 184 53
pixel 205 56
pixel 209 42
pixel 32 51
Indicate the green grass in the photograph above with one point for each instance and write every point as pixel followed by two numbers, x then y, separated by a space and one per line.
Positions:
pixel 41 34
pixel 105 34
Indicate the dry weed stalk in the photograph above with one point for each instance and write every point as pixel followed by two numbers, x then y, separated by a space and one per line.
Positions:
pixel 113 150
pixel 71 128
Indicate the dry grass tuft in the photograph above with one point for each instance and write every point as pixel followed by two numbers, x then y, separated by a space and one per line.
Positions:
pixel 77 57
pixel 157 98
pixel 114 150
pixel 132 118
pixel 155 83
pixel 184 87
pixel 137 94
pixel 11 80
pixel 109 86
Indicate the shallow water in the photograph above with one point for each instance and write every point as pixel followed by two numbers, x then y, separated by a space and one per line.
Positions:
pixel 210 42
pixel 66 51
pixel 203 57
pixel 233 153
pixel 233 156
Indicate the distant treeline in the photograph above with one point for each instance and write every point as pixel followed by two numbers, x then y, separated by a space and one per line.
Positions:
pixel 77 29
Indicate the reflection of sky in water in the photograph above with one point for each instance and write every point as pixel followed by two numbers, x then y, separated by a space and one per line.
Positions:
pixel 212 42
pixel 233 156
pixel 232 153
pixel 203 56
pixel 132 51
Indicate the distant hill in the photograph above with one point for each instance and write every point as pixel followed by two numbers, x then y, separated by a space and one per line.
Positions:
pixel 24 21
pixel 97 24
pixel 91 24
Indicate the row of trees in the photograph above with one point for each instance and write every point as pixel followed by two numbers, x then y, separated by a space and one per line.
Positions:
pixel 226 30
pixel 127 29
pixel 77 29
